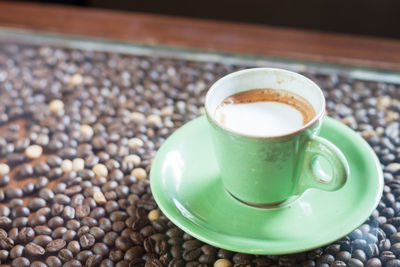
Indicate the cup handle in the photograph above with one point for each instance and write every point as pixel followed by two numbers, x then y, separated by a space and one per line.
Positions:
pixel 320 151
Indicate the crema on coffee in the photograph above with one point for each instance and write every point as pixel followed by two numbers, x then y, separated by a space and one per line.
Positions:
pixel 264 112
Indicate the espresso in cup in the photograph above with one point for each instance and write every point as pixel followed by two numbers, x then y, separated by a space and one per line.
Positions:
pixel 264 112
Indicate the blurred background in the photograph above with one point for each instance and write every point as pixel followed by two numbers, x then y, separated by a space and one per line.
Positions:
pixel 363 17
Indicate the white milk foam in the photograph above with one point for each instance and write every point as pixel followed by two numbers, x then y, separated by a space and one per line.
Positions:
pixel 260 118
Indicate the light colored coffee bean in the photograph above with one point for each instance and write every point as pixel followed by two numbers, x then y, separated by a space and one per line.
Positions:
pixel 154 120
pixel 33 151
pixel 135 159
pixel 56 105
pixel 222 263
pixel 75 79
pixel 167 111
pixel 135 143
pixel 137 117
pixel 100 170
pixel 99 197
pixel 4 169
pixel 66 165
pixel 78 164
pixel 86 130
pixel 139 173
pixel 154 215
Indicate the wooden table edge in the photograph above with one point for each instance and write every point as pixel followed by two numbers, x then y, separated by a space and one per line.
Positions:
pixel 206 35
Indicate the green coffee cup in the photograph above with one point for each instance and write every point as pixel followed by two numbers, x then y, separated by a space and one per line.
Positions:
pixel 271 170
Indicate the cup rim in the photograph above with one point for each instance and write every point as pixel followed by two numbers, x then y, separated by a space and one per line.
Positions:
pixel 317 117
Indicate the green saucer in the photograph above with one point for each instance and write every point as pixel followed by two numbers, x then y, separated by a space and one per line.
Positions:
pixel 185 184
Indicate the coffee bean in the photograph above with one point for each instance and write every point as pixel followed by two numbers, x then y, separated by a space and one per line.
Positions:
pixel 355 263
pixel 4 179
pixel 6 243
pixel 192 244
pixel 123 243
pixel 181 263
pixel 26 170
pixel 134 253
pixel 69 235
pixel 82 211
pixel 28 189
pixel 20 262
pixel 93 261
pixel 338 264
pixel 16 251
pixel 61 199
pixel 360 255
pixel 41 182
pixel 73 263
pixel 42 230
pixel 84 255
pixel 225 254
pixel 393 263
pixel 100 249
pixel 34 249
pixel 26 234
pixel 13 192
pixel 36 203
pixel 55 222
pixel 53 261
pixel 42 240
pixel 191 255
pixel 65 255
pixel 68 212
pixel 374 262
pixel 87 240
pixel 55 245
pixel 20 211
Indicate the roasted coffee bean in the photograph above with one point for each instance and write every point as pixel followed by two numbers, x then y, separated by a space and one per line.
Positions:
pixel 118 226
pixel 100 249
pixel 20 211
pixel 65 255
pixel 87 240
pixel 93 261
pixel 28 189
pixel 393 263
pixel 53 261
pixel 45 211
pixel 98 213
pixel 373 262
pixel 4 211
pixel 46 194
pixel 36 203
pixel 82 211
pixel 84 255
pixel 37 220
pixel 41 182
pixel 16 251
pixel 34 249
pixel 13 192
pixel 4 180
pixel 3 233
pixel 181 263
pixel 42 240
pixel 105 224
pixel 123 243
pixel 191 255
pixel 20 262
pixel 73 263
pixel 55 222
pixel 192 244
pixel 6 243
pixel 355 263
pixel 26 170
pixel 55 245
pixel 134 253
pixel 110 238
pixel 4 255
pixel 360 255
pixel 42 230
pixel 26 234
pixel 89 221
pixel 69 235
pixel 5 222
pixel 224 254
pixel 116 255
